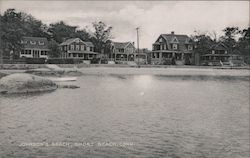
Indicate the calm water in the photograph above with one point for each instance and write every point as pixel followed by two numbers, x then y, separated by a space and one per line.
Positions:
pixel 157 116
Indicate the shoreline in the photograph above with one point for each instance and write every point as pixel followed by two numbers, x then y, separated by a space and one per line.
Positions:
pixel 170 71
pixel 36 66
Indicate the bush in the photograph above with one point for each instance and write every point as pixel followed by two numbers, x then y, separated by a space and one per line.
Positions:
pixel 35 60
pixel 64 61
pixel 95 61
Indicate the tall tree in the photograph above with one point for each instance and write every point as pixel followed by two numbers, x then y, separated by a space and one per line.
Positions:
pixel 60 31
pixel 202 43
pixel 11 32
pixel 33 27
pixel 101 37
pixel 54 49
pixel 229 37
pixel 244 41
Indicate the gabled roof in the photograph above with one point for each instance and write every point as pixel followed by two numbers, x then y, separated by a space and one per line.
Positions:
pixel 219 46
pixel 120 45
pixel 39 42
pixel 71 40
pixel 171 37
pixel 90 44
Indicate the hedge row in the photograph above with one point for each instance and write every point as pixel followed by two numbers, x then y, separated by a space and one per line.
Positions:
pixel 63 61
pixel 41 61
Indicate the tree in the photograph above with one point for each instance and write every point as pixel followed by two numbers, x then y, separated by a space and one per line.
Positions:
pixel 102 36
pixel 202 43
pixel 33 27
pixel 243 43
pixel 60 31
pixel 11 33
pixel 83 35
pixel 229 38
pixel 54 49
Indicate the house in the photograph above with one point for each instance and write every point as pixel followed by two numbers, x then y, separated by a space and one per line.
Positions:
pixel 34 47
pixel 172 49
pixel 220 55
pixel 122 51
pixel 77 49
pixel 126 52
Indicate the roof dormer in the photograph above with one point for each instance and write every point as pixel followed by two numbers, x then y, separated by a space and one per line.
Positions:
pixel 174 40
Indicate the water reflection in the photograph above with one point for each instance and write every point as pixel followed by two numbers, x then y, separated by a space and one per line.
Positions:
pixel 143 81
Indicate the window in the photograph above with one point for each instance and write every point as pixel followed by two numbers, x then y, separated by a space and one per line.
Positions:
pixel 82 47
pixel 175 46
pixel 71 47
pixel 190 47
pixel 77 47
pixel 160 40
pixel 91 49
pixel 33 42
pixel 121 50
pixel 41 43
pixel 43 52
pixel 22 42
pixel 156 55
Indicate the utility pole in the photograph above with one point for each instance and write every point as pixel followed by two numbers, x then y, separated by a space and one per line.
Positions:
pixel 137 31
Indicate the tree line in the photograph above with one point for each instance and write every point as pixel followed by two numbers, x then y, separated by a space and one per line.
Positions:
pixel 233 38
pixel 14 25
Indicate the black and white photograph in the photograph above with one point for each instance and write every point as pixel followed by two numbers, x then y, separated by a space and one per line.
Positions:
pixel 124 79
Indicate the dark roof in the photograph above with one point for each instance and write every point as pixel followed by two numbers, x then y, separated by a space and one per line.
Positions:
pixel 71 40
pixel 181 38
pixel 236 52
pixel 120 45
pixel 39 42
pixel 219 46
pixel 68 41
pixel 90 44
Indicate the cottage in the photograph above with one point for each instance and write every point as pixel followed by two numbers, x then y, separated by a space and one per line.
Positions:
pixel 126 52
pixel 220 55
pixel 122 51
pixel 77 49
pixel 34 47
pixel 172 49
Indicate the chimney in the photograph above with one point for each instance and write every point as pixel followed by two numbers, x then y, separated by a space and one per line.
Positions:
pixel 133 43
pixel 172 32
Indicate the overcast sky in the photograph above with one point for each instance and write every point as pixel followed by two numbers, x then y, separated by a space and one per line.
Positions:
pixel 153 18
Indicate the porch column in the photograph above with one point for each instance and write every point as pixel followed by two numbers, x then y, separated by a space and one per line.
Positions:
pixel 182 56
pixel 127 56
pixel 160 56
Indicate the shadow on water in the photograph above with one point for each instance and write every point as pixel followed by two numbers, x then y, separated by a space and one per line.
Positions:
pixel 182 77
pixel 23 95
pixel 204 77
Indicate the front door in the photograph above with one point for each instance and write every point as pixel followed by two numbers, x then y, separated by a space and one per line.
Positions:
pixel 36 54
